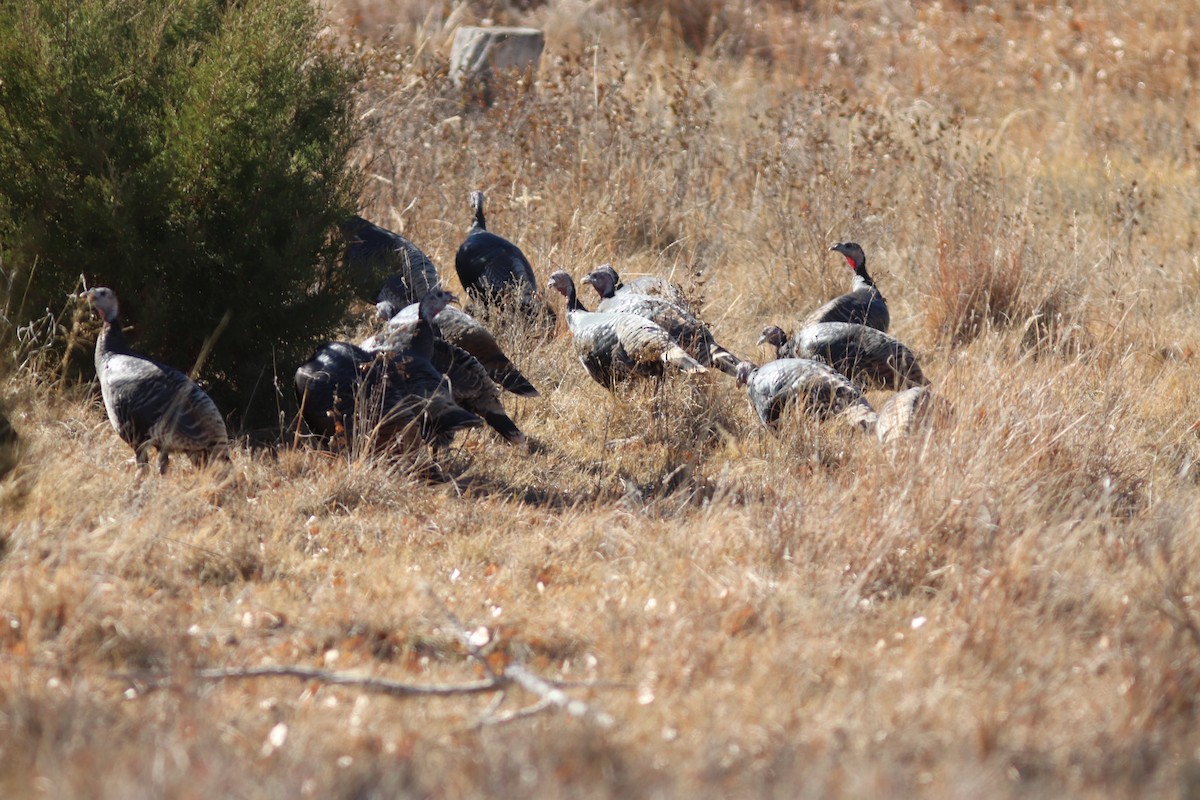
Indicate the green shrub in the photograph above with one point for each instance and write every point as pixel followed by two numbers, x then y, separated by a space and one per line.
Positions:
pixel 192 155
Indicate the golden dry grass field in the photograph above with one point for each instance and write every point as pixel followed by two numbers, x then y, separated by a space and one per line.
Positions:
pixel 1005 606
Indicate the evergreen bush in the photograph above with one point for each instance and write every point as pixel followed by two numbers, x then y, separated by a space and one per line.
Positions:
pixel 192 155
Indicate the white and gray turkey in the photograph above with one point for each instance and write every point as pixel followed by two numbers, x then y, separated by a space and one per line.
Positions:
pixel 683 326
pixel 866 355
pixel 470 384
pixel 650 285
pixel 909 411
pixel 345 390
pixel 815 388
pixel 615 346
pixel 494 271
pixel 376 256
pixel 152 404
pixel 863 304
pixel 462 330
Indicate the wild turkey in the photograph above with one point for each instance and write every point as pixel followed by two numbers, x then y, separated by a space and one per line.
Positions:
pixel 461 329
pixel 328 385
pixel 469 382
pixel 863 304
pixel 649 285
pixel 867 356
pixel 376 256
pixel 614 346
pixel 493 270
pixel 408 395
pixel 151 404
pixel 691 334
pixel 908 411
pixel 815 387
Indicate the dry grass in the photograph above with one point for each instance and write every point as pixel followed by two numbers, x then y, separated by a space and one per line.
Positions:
pixel 1004 607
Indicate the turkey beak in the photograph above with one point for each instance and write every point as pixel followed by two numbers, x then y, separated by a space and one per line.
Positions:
pixel 762 340
pixel 453 300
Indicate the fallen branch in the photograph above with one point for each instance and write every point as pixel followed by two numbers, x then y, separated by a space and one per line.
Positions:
pixel 463 634
pixel 550 692
pixel 376 685
pixel 552 695
pixel 489 720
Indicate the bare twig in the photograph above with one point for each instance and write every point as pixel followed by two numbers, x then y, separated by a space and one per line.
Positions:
pixel 376 685
pixel 463 634
pixel 72 334
pixel 488 720
pixel 379 685
pixel 493 706
pixel 549 693
pixel 207 346
pixel 300 418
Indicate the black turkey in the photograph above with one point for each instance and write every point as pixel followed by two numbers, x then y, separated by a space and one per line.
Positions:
pixel 151 404
pixel 470 384
pixel 344 390
pixel 863 304
pixel 494 271
pixel 815 387
pixel 650 285
pixel 328 386
pixel 866 355
pixel 379 261
pixel 614 346
pixel 461 329
pixel 684 327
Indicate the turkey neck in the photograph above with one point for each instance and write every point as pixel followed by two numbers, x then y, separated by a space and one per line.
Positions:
pixel 424 333
pixel 862 280
pixel 479 224
pixel 573 303
pixel 111 340
pixel 611 286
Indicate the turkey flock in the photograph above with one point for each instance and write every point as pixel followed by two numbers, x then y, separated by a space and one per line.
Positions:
pixel 432 370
